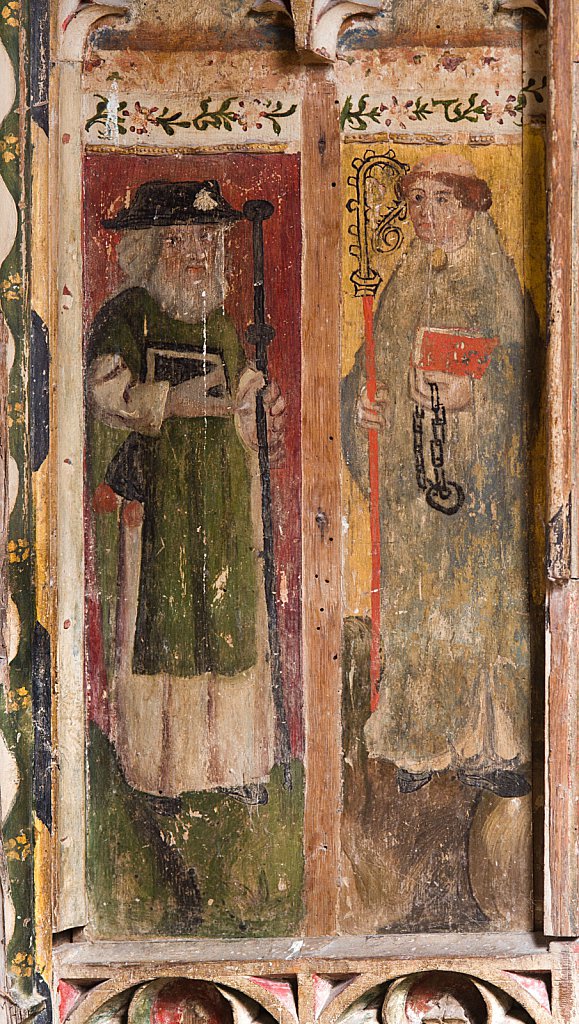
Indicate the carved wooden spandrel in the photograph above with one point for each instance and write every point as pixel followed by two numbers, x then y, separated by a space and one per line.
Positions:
pixel 445 993
pixel 318 23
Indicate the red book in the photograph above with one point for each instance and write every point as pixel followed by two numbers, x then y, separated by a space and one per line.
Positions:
pixel 446 351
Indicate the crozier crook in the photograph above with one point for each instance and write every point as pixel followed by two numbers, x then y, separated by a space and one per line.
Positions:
pixel 366 281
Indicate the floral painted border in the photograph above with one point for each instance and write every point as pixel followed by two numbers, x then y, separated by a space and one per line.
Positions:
pixel 16 723
pixel 361 115
pixel 113 117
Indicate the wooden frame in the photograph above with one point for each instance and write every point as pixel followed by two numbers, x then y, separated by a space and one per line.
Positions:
pixel 562 883
pixel 322 566
pixel 102 973
pixel 320 166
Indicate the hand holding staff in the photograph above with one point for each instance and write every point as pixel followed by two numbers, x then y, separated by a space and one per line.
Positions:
pixel 366 281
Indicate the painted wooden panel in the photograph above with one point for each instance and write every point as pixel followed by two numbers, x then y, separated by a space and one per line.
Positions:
pixel 438 688
pixel 193 541
pixel 190 596
pixel 443 444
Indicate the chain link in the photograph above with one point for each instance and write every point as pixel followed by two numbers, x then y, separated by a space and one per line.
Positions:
pixel 441 495
pixel 438 436
pixel 417 432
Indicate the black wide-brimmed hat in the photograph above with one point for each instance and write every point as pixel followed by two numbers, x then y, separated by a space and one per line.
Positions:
pixel 159 204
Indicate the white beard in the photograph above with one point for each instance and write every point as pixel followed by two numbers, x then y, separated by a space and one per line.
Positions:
pixel 183 299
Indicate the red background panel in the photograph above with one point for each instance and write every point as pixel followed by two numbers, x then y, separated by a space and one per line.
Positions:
pixel 108 179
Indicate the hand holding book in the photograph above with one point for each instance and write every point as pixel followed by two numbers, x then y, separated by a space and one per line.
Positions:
pixel 451 359
pixel 455 393
pixel 197 397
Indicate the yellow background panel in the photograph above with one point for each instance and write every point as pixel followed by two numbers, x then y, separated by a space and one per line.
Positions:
pixel 515 173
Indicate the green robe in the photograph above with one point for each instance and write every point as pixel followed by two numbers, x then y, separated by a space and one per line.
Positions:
pixel 455 615
pixel 198 579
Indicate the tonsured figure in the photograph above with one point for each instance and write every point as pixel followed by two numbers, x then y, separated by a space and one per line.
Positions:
pixel 450 347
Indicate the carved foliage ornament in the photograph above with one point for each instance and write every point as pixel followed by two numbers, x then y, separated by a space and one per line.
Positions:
pixel 426 997
pixel 525 5
pixel 317 23
pixel 444 998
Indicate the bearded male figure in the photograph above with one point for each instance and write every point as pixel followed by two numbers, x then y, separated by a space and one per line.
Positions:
pixel 172 443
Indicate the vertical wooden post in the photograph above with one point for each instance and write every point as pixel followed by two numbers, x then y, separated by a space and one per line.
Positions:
pixel 69 36
pixel 67 468
pixel 562 784
pixel 44 507
pixel 321 521
pixel 4 513
pixel 562 791
pixel 565 974
pixel 306 997
pixel 561 470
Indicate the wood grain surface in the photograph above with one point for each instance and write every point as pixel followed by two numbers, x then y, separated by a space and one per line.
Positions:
pixel 562 814
pixel 67 455
pixel 322 527
pixel 560 360
pixel 562 822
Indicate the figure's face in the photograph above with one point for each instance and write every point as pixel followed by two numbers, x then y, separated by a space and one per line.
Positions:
pixel 191 253
pixel 189 275
pixel 437 215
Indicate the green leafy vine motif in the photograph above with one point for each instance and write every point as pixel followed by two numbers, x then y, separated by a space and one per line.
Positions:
pixel 455 111
pixel 113 117
pixel 530 89
pixel 358 119
pixel 136 120
pixel 101 117
pixel 168 122
pixel 223 117
pixel 420 111
pixel 277 112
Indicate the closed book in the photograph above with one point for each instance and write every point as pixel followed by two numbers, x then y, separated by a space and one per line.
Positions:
pixel 440 350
